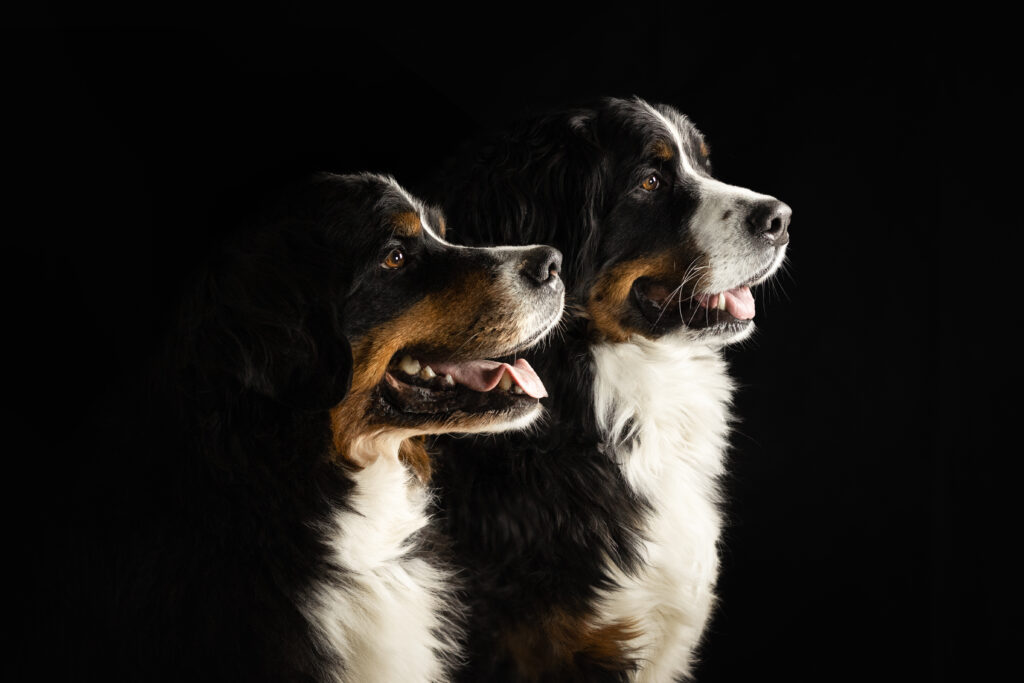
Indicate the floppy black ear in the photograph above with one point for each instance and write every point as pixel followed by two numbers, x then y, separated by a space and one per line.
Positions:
pixel 265 320
pixel 289 340
pixel 318 377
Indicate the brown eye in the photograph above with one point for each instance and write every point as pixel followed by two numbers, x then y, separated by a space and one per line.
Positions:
pixel 651 183
pixel 395 259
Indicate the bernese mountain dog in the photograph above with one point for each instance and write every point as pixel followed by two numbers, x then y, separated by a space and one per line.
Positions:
pixel 590 541
pixel 277 528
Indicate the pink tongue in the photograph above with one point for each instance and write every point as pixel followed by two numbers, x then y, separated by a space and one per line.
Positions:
pixel 484 375
pixel 739 302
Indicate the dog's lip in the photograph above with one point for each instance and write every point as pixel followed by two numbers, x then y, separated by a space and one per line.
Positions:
pixel 479 375
pixel 418 373
pixel 666 307
pixel 414 385
pixel 435 397
pixel 737 300
pixel 758 277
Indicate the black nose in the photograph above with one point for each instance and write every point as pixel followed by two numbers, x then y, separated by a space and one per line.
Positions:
pixel 542 265
pixel 770 219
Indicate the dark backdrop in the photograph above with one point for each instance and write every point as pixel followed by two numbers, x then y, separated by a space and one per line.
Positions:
pixel 872 497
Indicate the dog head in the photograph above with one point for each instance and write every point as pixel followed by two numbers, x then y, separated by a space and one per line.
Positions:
pixel 424 317
pixel 654 244
pixel 349 299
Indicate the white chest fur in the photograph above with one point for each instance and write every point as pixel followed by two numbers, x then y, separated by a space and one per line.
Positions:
pixel 665 408
pixel 383 617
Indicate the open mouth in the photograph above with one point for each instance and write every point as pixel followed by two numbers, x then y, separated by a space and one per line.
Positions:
pixel 666 308
pixel 418 386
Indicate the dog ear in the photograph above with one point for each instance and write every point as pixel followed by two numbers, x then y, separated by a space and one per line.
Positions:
pixel 306 368
pixel 294 351
pixel 265 320
pixel 321 376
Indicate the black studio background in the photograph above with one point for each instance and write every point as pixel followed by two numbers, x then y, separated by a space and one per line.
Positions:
pixel 872 498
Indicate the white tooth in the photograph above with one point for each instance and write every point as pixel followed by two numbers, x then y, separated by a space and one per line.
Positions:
pixel 517 389
pixel 409 365
pixel 449 380
pixel 506 382
pixel 721 302
pixel 427 372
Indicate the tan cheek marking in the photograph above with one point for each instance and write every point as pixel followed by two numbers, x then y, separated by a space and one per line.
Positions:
pixel 435 320
pixel 609 297
pixel 704 151
pixel 407 224
pixel 442 226
pixel 370 357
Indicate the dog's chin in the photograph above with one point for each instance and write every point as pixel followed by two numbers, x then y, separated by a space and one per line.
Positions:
pixel 710 318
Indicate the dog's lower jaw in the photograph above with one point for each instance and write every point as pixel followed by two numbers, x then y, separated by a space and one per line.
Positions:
pixel 717 338
pixel 522 421
pixel 664 408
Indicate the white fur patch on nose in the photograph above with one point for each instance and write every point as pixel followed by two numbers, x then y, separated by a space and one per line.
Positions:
pixel 719 229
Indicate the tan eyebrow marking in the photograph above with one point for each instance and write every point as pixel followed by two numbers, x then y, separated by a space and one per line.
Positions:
pixel 407 224
pixel 442 226
pixel 662 150
pixel 704 151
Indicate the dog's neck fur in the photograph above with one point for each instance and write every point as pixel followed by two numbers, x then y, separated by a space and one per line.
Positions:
pixel 666 397
pixel 405 632
pixel 663 408
pixel 366 449
pixel 379 606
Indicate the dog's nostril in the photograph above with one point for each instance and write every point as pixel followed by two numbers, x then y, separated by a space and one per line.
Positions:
pixel 770 219
pixel 542 264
